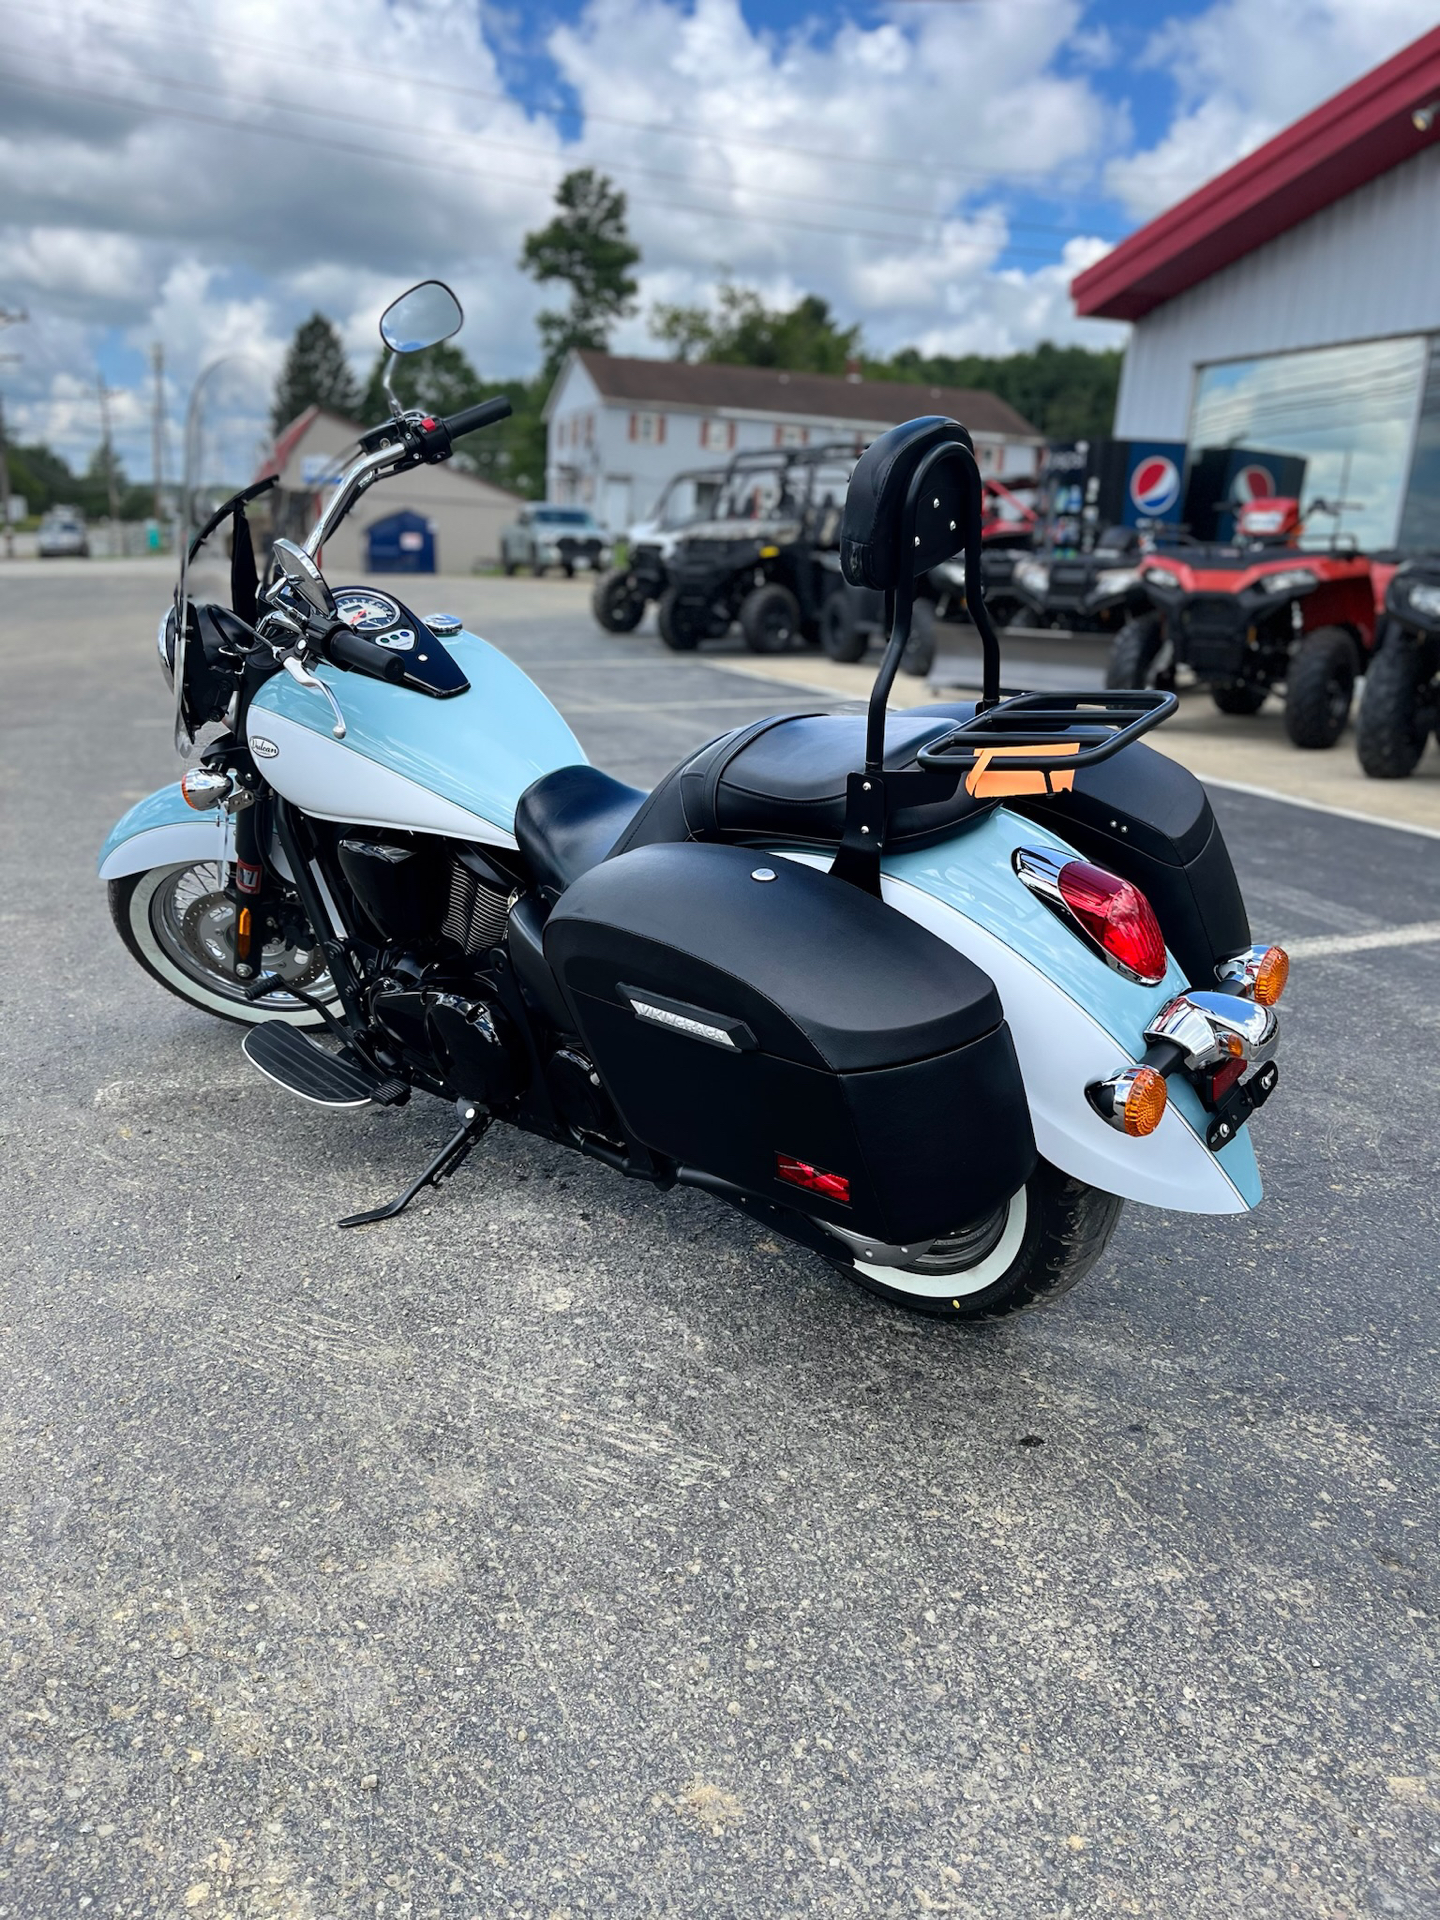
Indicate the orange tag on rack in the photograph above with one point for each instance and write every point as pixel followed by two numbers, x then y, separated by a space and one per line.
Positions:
pixel 984 782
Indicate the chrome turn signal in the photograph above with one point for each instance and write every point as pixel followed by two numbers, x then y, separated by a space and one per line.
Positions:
pixel 1133 1100
pixel 1258 974
pixel 203 789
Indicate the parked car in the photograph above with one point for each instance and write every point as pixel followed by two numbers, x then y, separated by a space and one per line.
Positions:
pixel 620 599
pixel 1254 612
pixel 552 536
pixel 1400 706
pixel 760 560
pixel 62 535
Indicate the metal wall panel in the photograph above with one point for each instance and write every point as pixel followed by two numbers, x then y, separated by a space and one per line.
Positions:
pixel 1367 267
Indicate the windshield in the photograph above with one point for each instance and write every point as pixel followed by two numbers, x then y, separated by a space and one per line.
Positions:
pixel 563 516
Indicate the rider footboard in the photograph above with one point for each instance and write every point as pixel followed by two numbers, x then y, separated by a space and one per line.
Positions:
pixel 765 1023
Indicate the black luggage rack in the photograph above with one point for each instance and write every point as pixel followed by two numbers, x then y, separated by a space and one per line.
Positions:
pixel 1067 730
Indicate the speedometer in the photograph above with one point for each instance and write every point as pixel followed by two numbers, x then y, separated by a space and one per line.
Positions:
pixel 366 611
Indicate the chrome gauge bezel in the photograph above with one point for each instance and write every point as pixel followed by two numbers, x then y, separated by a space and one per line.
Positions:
pixel 370 596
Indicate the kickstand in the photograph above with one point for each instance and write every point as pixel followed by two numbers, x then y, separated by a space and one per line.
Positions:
pixel 474 1125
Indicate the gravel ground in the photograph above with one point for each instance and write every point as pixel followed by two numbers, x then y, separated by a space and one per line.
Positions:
pixel 565 1548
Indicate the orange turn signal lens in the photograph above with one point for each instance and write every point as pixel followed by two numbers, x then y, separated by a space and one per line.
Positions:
pixel 1145 1103
pixel 1270 977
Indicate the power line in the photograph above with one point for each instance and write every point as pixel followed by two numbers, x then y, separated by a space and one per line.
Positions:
pixel 449 136
pixel 433 85
pixel 370 151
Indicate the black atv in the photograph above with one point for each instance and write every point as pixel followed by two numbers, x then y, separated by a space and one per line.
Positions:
pixel 1094 592
pixel 851 617
pixel 761 560
pixel 1400 707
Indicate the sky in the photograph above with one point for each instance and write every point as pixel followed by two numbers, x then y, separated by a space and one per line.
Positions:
pixel 205 175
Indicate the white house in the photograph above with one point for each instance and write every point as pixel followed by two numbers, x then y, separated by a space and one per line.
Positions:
pixel 1292 304
pixel 464 514
pixel 619 429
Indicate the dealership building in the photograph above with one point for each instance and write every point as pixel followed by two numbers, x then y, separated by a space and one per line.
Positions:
pixel 1293 304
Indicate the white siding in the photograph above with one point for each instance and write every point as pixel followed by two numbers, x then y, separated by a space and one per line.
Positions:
pixel 1362 269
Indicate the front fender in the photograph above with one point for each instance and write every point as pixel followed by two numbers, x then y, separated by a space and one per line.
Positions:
pixel 161 831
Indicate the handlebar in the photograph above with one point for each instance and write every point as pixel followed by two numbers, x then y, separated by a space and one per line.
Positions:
pixel 349 649
pixel 469 419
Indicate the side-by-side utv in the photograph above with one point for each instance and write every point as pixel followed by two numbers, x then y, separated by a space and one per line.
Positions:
pixel 761 559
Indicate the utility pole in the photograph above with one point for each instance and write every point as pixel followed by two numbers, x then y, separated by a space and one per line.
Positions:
pixel 7 319
pixel 107 450
pixel 157 430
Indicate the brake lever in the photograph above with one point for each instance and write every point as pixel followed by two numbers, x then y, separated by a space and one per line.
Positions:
pixel 303 677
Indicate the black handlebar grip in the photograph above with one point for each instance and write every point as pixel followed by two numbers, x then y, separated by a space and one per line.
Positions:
pixel 349 649
pixel 469 419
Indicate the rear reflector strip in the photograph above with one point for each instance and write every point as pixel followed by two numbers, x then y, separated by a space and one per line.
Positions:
pixel 800 1173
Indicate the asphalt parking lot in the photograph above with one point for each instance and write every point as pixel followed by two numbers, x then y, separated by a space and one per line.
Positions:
pixel 564 1548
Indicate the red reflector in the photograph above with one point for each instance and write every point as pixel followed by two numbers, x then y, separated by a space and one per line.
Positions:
pixel 1224 1077
pixel 800 1173
pixel 1117 915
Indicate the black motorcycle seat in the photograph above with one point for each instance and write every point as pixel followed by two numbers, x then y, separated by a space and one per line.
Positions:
pixel 568 820
pixel 784 781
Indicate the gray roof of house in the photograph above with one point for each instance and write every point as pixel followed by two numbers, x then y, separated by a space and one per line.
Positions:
pixel 826 396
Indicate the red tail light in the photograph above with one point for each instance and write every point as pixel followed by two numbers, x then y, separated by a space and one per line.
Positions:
pixel 1116 915
pixel 800 1173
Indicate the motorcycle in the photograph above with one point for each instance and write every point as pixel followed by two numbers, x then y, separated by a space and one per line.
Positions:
pixel 1400 706
pixel 1250 613
pixel 932 993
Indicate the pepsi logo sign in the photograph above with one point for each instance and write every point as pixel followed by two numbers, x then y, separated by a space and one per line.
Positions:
pixel 1155 485
pixel 1253 483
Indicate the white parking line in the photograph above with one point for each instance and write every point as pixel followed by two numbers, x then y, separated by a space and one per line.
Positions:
pixel 1418 933
pixel 1319 806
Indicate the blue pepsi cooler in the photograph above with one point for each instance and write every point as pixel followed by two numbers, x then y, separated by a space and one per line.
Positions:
pixel 1138 482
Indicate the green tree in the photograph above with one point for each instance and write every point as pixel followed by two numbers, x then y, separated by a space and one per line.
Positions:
pixel 1067 392
pixel 43 477
pixel 745 332
pixel 588 246
pixel 315 374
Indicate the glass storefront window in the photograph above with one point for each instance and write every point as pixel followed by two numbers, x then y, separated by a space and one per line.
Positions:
pixel 1348 412
pixel 1420 522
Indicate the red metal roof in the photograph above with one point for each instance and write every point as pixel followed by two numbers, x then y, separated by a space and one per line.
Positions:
pixel 1352 137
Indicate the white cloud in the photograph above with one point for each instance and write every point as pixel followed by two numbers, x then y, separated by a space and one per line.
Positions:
pixel 1244 71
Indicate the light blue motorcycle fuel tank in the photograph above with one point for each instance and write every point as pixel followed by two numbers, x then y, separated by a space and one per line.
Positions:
pixel 454 767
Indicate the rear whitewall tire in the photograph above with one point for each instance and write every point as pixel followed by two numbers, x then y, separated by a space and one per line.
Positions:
pixel 131 901
pixel 1056 1229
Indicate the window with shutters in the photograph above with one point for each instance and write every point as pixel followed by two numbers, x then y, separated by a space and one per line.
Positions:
pixel 792 436
pixel 648 429
pixel 717 436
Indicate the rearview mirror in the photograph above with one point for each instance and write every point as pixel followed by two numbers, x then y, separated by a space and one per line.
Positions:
pixel 303 574
pixel 421 318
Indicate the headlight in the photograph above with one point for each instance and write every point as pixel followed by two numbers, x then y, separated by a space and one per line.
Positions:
pixel 1293 580
pixel 1424 599
pixel 1160 577
pixel 1033 574
pixel 165 646
pixel 1116 579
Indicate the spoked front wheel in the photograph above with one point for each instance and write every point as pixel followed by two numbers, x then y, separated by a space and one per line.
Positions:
pixel 179 923
pixel 1028 1252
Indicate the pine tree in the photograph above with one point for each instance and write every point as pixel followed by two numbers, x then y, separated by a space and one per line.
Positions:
pixel 588 246
pixel 316 374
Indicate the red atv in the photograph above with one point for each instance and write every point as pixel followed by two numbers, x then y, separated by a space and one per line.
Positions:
pixel 1248 615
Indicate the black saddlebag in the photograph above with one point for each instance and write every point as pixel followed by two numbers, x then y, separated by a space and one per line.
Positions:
pixel 1147 818
pixel 795 1037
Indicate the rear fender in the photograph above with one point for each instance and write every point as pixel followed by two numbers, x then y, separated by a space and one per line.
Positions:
pixel 1072 1018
